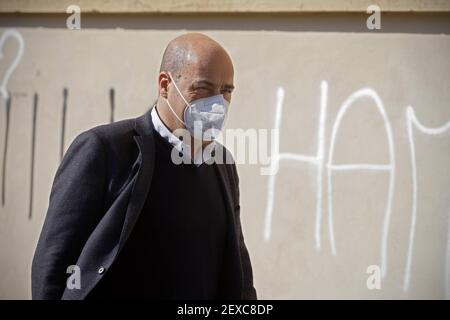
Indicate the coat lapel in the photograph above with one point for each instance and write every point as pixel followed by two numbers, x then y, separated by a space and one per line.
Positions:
pixel 145 141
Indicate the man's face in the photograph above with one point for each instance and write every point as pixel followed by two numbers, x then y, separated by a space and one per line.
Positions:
pixel 201 80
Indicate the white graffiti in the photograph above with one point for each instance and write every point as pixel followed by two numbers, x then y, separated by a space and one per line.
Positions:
pixel 369 93
pixel 274 164
pixel 412 120
pixel 10 33
pixel 318 162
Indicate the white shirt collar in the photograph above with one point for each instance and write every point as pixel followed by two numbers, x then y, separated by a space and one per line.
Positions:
pixel 161 128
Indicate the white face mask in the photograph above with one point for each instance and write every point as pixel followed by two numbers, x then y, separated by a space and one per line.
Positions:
pixel 204 118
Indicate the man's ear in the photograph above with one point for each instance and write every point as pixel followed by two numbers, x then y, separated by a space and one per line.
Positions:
pixel 163 83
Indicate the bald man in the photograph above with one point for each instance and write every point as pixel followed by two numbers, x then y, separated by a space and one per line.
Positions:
pixel 148 208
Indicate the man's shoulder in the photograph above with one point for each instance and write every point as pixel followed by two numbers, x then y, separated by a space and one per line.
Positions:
pixel 116 139
pixel 115 135
pixel 115 130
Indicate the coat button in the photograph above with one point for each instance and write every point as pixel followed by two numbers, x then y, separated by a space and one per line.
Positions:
pixel 101 270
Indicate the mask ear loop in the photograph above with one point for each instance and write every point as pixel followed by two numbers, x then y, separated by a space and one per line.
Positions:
pixel 176 87
pixel 170 107
pixel 168 103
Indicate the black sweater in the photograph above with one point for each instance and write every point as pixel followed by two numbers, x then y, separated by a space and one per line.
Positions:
pixel 176 248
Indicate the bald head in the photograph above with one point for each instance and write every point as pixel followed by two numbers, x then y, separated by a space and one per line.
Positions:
pixel 200 67
pixel 192 50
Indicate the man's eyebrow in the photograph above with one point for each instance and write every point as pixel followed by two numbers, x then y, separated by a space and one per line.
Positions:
pixel 210 84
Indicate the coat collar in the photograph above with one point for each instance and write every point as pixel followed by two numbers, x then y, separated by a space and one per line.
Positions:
pixel 143 124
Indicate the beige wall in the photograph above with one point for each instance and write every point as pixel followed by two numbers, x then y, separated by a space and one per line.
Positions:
pixel 404 64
